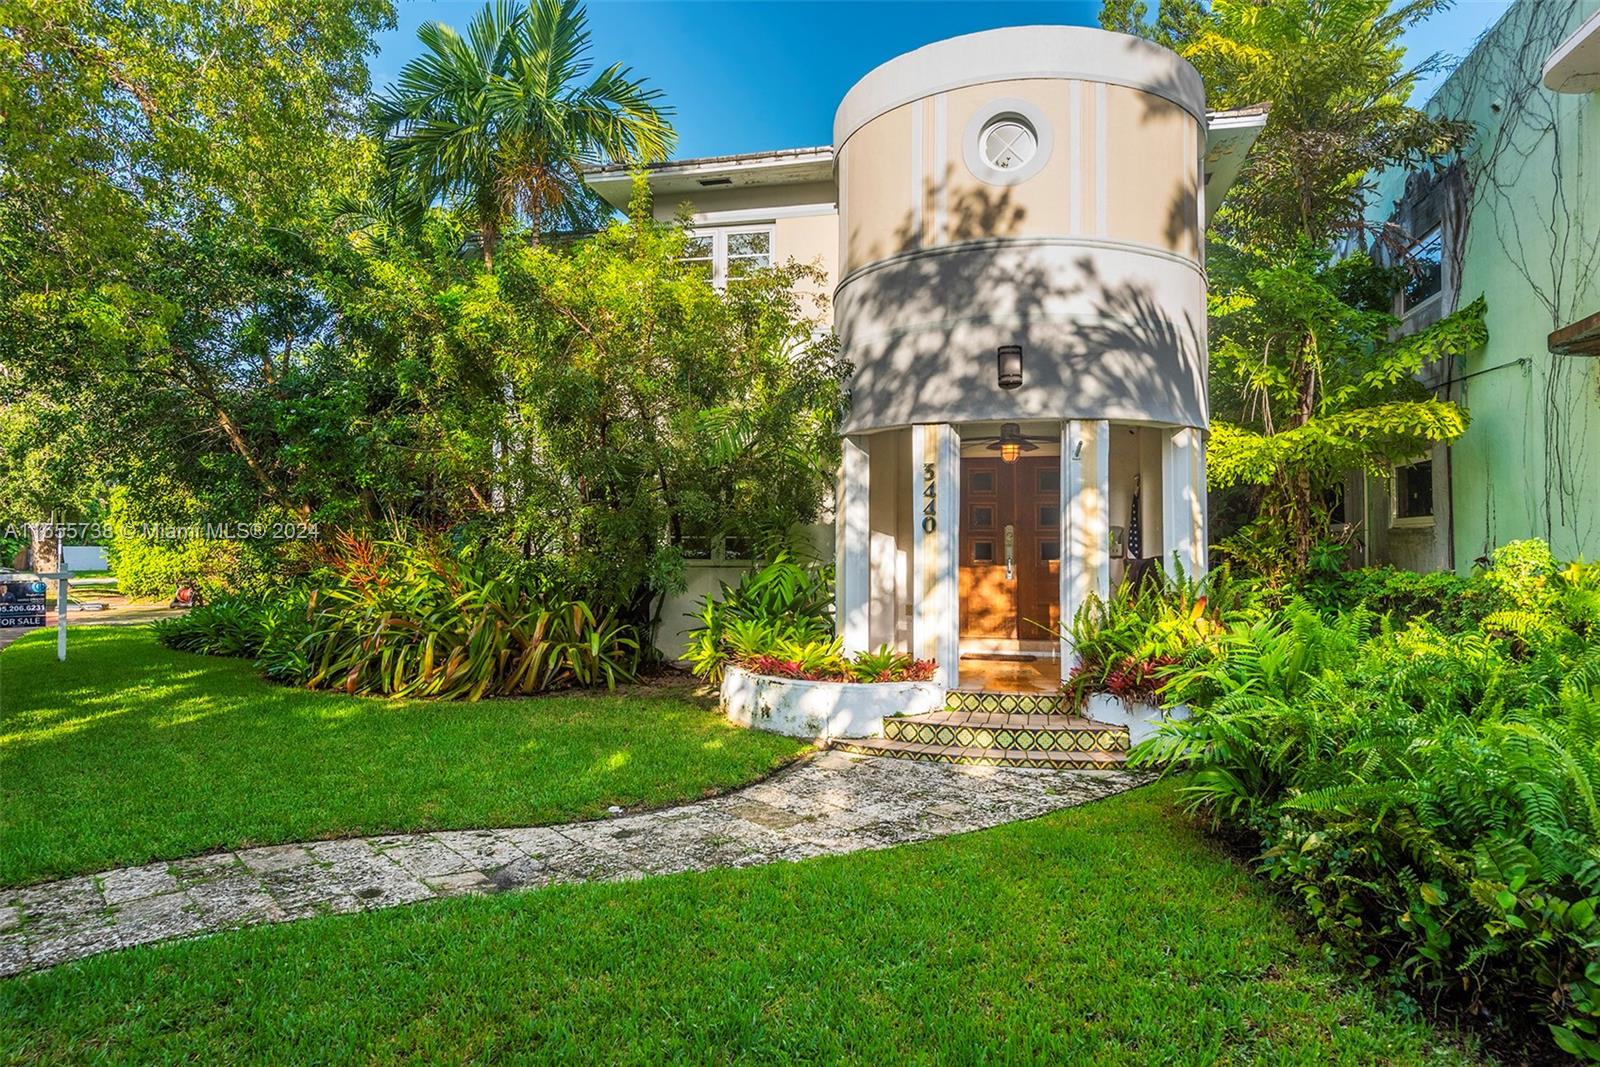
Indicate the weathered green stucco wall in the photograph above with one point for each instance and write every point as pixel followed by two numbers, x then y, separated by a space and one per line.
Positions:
pixel 1530 463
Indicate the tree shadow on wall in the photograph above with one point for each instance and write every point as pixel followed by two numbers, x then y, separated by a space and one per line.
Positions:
pixel 922 329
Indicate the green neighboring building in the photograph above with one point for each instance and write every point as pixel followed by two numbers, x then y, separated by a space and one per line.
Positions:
pixel 1516 219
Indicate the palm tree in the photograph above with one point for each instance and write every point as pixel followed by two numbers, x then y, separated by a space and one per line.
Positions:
pixel 502 122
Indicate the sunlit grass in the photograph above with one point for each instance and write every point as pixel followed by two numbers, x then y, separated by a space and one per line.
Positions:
pixel 1111 934
pixel 129 753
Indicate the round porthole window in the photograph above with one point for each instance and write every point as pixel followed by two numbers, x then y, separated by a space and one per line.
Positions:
pixel 1007 141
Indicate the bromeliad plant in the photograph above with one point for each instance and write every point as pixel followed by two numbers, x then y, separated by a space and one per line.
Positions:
pixel 1128 645
pixel 825 661
pixel 415 620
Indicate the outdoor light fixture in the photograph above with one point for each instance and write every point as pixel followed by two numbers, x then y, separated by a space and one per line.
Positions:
pixel 1008 363
pixel 1012 444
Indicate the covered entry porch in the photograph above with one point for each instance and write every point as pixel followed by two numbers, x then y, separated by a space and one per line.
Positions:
pixel 972 543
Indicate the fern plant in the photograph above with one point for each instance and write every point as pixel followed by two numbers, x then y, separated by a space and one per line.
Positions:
pixel 1428 797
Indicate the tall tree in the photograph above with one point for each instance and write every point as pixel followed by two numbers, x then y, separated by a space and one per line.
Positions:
pixel 1305 382
pixel 153 156
pixel 502 121
pixel 1335 75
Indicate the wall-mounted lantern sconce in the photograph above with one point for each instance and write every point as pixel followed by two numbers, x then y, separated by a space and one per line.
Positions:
pixel 1008 363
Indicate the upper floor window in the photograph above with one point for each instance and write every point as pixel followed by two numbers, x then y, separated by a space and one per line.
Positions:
pixel 1424 265
pixel 1007 143
pixel 726 255
pixel 699 255
pixel 1413 493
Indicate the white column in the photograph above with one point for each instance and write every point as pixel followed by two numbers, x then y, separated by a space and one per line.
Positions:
pixel 1183 501
pixel 1085 518
pixel 854 575
pixel 936 619
pixel 936 487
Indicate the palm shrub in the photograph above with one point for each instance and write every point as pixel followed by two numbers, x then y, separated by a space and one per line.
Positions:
pixel 1427 797
pixel 783 601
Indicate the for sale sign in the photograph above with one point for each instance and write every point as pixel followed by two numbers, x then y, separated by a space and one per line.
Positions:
pixel 21 604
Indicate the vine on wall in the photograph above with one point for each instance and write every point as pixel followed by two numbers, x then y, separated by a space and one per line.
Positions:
pixel 1551 241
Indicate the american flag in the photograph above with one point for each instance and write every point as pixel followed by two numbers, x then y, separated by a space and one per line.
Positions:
pixel 1135 549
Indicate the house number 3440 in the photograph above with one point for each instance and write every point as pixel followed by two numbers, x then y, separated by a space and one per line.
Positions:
pixel 930 499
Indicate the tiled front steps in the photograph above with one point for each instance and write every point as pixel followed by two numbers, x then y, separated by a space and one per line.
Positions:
pixel 998 738
pixel 968 756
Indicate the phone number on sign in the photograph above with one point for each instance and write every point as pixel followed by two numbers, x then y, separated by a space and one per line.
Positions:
pixel 101 532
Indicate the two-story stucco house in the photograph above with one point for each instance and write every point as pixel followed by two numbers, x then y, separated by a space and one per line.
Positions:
pixel 1514 218
pixel 1012 225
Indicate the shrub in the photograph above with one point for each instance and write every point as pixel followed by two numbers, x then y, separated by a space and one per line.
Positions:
pixel 286 623
pixel 1128 645
pixel 231 627
pixel 150 567
pixel 412 619
pixel 1427 796
pixel 783 601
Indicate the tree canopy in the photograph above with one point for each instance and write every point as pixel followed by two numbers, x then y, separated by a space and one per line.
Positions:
pixel 499 123
pixel 1306 383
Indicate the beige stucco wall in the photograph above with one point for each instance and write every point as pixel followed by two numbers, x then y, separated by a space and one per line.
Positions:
pixel 1090 258
pixel 875 179
pixel 718 201
pixel 891 519
pixel 812 240
pixel 905 184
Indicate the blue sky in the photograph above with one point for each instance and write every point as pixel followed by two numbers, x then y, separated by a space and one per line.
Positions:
pixel 760 74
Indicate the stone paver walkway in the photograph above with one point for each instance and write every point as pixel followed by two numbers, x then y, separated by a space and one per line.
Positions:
pixel 831 804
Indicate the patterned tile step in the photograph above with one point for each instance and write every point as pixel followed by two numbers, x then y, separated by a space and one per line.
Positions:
pixel 1006 720
pixel 981 757
pixel 968 700
pixel 1023 733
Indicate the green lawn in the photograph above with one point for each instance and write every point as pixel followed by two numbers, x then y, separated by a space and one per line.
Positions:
pixel 1115 933
pixel 129 753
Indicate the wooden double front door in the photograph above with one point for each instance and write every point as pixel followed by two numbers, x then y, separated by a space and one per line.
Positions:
pixel 1011 548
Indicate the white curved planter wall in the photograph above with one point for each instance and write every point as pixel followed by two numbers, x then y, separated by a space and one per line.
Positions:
pixel 1141 719
pixel 823 710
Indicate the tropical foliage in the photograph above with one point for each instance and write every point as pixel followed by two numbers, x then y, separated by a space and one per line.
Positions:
pixel 499 123
pixel 779 621
pixel 1321 388
pixel 783 602
pixel 1307 384
pixel 414 619
pixel 1127 645
pixel 824 661
pixel 1426 796
pixel 240 292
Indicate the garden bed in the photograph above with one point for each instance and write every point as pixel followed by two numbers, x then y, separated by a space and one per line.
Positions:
pixel 822 710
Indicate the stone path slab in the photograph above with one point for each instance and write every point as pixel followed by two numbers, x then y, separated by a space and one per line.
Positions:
pixel 829 805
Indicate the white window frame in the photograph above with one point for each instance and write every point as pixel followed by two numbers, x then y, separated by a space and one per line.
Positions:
pixel 1412 522
pixel 719 246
